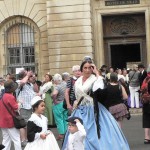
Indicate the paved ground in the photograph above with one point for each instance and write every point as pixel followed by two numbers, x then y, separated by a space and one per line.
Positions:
pixel 132 130
pixel 134 133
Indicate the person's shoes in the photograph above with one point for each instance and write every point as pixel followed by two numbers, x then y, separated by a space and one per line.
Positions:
pixel 23 143
pixel 60 137
pixel 146 141
pixel 128 116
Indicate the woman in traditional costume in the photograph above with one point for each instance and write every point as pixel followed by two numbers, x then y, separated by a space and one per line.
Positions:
pixel 39 138
pixel 46 90
pixel 103 132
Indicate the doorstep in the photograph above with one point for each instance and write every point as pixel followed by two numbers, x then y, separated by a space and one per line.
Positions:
pixel 136 111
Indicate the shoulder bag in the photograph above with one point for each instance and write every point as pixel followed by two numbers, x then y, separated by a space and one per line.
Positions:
pixel 19 121
pixel 145 95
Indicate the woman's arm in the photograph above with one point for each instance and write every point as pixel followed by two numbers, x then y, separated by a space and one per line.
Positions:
pixel 67 98
pixel 54 96
pixel 99 83
pixel 124 93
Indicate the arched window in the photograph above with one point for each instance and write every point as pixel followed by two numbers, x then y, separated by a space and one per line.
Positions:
pixel 20 47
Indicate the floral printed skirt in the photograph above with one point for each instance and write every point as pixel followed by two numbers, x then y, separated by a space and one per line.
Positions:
pixel 119 111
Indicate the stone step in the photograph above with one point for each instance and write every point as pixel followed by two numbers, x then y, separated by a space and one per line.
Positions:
pixel 136 111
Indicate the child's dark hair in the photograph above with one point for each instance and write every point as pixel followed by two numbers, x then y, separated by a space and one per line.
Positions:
pixel 36 105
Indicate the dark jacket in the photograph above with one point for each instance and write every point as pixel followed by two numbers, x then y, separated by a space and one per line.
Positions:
pixel 32 129
pixel 142 77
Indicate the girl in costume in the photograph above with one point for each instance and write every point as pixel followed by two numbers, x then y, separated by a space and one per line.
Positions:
pixel 39 138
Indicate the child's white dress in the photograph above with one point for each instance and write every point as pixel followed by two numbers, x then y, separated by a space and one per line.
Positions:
pixel 37 125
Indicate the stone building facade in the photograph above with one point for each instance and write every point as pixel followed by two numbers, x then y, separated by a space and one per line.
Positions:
pixel 52 35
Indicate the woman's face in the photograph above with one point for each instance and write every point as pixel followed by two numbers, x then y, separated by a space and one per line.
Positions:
pixel 87 70
pixel 47 78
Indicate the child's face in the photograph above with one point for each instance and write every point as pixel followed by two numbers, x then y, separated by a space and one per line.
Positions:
pixel 40 109
pixel 72 128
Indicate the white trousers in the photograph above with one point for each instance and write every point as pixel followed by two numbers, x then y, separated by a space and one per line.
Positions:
pixel 134 95
pixel 9 135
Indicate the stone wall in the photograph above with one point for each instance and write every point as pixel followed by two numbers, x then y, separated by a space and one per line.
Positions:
pixel 69 33
pixel 35 11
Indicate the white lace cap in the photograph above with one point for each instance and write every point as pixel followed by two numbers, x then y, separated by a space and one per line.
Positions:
pixel 35 100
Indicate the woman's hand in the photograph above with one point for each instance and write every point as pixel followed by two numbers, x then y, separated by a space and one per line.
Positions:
pixel 95 71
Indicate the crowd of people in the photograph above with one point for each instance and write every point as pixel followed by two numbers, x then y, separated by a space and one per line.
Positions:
pixel 87 107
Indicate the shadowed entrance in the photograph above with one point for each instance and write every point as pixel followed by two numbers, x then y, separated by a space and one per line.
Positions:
pixel 123 53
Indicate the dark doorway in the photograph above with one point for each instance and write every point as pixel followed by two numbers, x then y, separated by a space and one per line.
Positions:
pixel 123 53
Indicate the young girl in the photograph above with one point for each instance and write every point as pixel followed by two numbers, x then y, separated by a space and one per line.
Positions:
pixel 39 138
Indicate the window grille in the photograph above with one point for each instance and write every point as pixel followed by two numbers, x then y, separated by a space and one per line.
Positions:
pixel 20 47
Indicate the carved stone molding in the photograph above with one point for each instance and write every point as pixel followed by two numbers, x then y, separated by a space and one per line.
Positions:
pixel 132 24
pixel 123 25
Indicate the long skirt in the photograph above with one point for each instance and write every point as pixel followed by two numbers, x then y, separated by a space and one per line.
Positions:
pixel 111 135
pixel 48 110
pixel 60 115
pixel 47 144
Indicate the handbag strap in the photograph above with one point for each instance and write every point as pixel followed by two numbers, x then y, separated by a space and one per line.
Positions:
pixel 19 91
pixel 7 108
pixel 132 76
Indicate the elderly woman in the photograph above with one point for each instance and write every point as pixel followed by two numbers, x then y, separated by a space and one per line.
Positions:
pixel 65 76
pixel 134 86
pixel 60 114
pixel 9 132
pixel 102 129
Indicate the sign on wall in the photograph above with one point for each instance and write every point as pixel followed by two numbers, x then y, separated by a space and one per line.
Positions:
pixel 121 2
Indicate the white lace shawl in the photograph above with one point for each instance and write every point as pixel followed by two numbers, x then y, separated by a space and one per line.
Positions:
pixel 92 83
